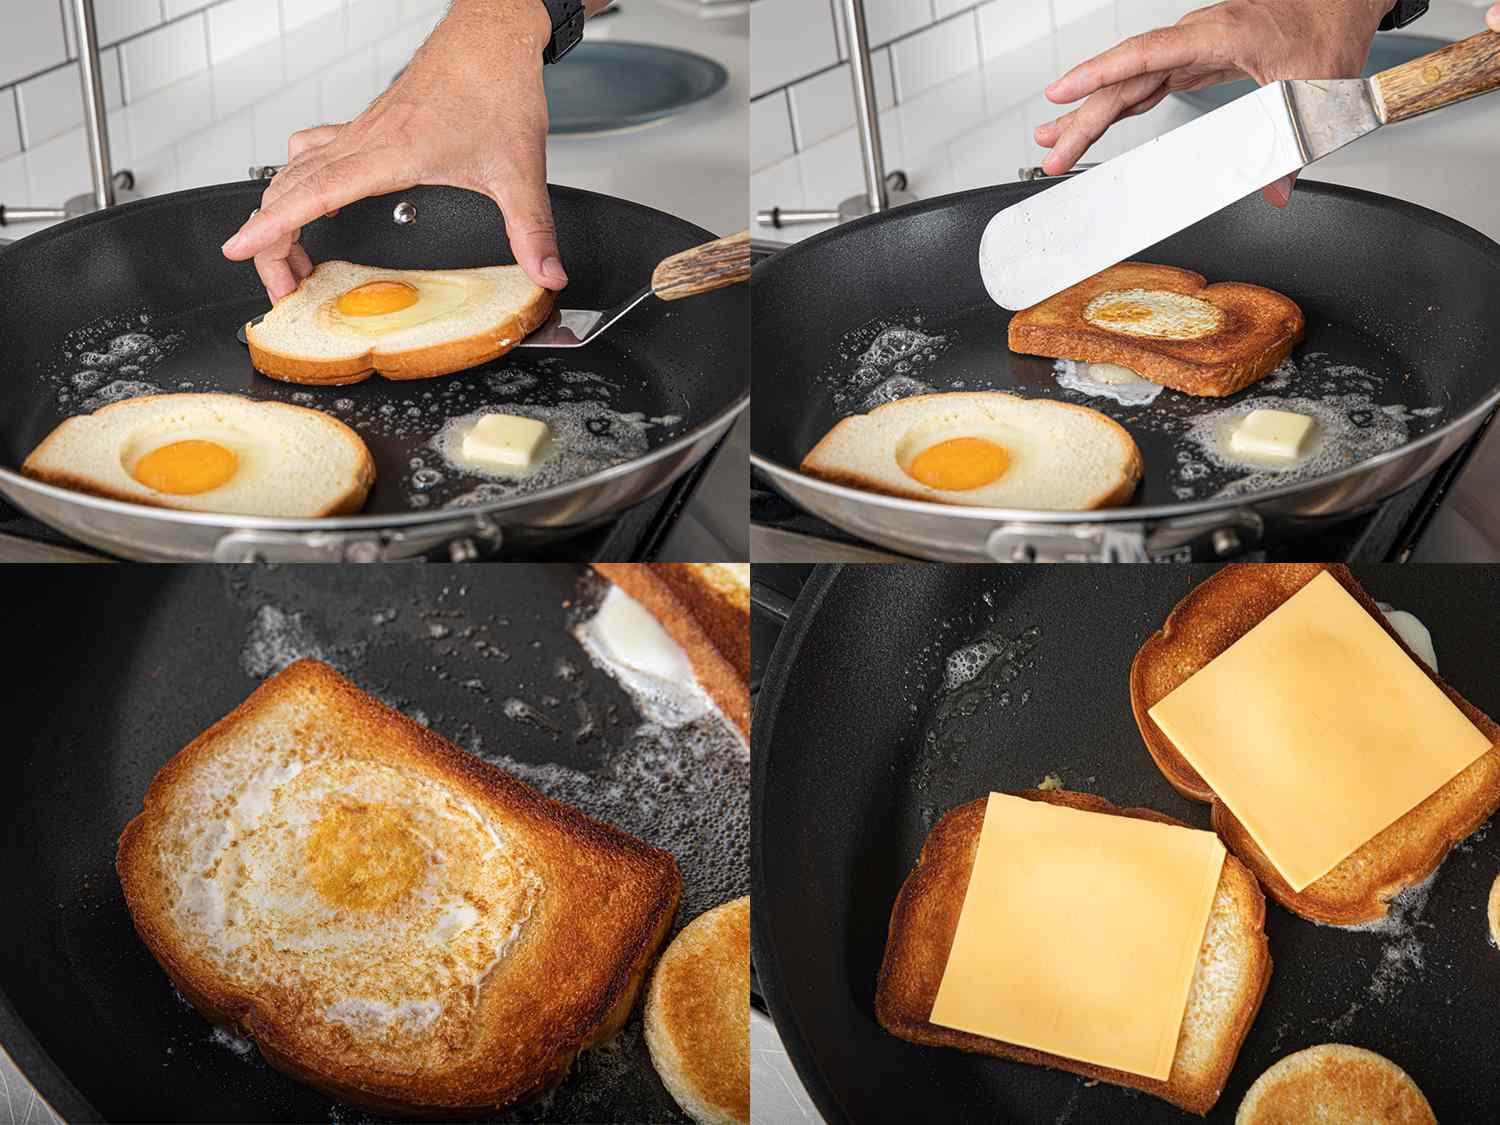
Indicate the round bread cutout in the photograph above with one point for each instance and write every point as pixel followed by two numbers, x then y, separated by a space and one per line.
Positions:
pixel 698 1016
pixel 1334 1082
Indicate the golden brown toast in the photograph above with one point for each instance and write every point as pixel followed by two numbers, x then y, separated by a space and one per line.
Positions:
pixel 1334 1082
pixel 1211 618
pixel 1234 965
pixel 697 1022
pixel 705 608
pixel 1220 340
pixel 391 920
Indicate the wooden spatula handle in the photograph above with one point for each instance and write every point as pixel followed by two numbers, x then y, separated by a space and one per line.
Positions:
pixel 703 269
pixel 1460 70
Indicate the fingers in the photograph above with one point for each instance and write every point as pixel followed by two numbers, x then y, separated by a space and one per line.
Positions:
pixel 334 183
pixel 1071 135
pixel 305 139
pixel 1164 49
pixel 298 260
pixel 276 275
pixel 1279 194
pixel 1492 17
pixel 529 226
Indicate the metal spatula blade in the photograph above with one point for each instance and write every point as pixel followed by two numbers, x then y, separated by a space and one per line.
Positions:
pixel 572 328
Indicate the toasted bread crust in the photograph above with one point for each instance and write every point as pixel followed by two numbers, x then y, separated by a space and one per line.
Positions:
pixel 346 504
pixel 418 363
pixel 1119 493
pixel 1207 621
pixel 711 625
pixel 569 981
pixel 925 920
pixel 1260 329
pixel 697 1021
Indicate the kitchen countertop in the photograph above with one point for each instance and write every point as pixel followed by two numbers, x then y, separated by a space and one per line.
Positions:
pixel 693 165
pixel 975 130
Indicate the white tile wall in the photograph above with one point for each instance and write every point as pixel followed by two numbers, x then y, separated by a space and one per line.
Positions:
pixel 198 89
pixel 967 86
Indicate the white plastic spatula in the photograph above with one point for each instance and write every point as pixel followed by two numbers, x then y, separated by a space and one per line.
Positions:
pixel 713 265
pixel 1070 232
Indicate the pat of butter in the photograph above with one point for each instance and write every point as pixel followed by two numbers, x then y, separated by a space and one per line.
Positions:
pixel 1278 434
pixel 629 632
pixel 507 441
pixel 1109 373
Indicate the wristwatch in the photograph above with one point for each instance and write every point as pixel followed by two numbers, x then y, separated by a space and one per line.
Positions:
pixel 567 27
pixel 1402 13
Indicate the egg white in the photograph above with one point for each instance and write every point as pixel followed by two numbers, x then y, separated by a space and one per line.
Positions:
pixel 1169 315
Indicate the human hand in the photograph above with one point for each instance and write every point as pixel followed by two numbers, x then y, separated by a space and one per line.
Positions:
pixel 469 111
pixel 1265 40
pixel 1492 17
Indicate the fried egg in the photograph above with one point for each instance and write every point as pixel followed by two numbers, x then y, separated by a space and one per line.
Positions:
pixel 358 896
pixel 390 301
pixel 1106 380
pixel 210 453
pixel 983 448
pixel 1154 313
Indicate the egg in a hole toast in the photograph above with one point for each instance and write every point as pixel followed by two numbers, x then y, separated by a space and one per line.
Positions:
pixel 1166 325
pixel 391 920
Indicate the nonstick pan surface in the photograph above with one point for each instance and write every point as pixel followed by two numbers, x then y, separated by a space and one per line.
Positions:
pixel 154 268
pixel 857 752
pixel 133 664
pixel 1402 307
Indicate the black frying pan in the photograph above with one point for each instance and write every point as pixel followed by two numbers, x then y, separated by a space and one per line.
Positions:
pixel 132 664
pixel 846 785
pixel 1409 296
pixel 71 289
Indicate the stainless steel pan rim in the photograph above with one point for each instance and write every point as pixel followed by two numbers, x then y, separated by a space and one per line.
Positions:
pixel 366 538
pixel 1304 499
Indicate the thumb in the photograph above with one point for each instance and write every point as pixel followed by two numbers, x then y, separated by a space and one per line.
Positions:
pixel 1279 194
pixel 532 233
pixel 1492 17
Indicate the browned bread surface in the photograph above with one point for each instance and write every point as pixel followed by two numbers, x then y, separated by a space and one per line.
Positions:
pixel 706 611
pixel 1219 1011
pixel 1334 1082
pixel 1212 617
pixel 568 981
pixel 697 1021
pixel 1258 329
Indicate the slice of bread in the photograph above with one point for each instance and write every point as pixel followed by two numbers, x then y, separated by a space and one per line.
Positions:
pixel 705 608
pixel 1494 912
pixel 698 1016
pixel 289 461
pixel 461 318
pixel 1234 966
pixel 1334 1082
pixel 391 920
pixel 1061 456
pixel 1167 325
pixel 1212 617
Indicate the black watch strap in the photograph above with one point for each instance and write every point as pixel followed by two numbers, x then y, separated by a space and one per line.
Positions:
pixel 1402 13
pixel 567 27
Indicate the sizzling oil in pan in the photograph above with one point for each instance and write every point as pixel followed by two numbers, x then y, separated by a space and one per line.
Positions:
pixel 603 410
pixel 1364 402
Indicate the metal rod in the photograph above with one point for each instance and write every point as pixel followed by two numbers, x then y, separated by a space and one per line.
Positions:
pixel 95 127
pixel 866 109
pixel 10 215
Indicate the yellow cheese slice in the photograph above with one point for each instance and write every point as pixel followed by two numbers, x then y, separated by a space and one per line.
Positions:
pixel 1318 731
pixel 1079 934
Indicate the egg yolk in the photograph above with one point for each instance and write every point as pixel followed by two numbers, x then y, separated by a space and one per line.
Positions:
pixel 1124 312
pixel 959 464
pixel 364 857
pixel 376 297
pixel 186 468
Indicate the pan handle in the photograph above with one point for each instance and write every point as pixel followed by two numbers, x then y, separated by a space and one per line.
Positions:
pixel 725 261
pixel 1216 535
pixel 466 539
